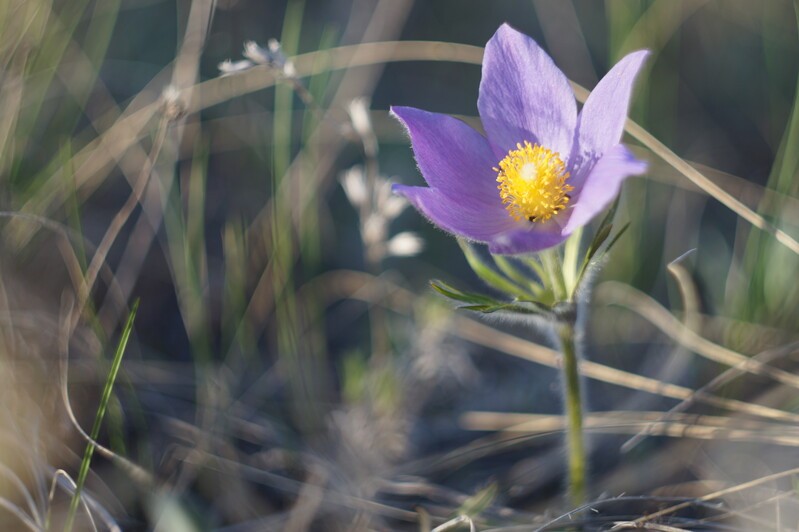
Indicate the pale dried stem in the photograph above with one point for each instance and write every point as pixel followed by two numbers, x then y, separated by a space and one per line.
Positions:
pixel 691 321
pixel 70 488
pixel 612 292
pixel 119 220
pixel 631 422
pixel 716 495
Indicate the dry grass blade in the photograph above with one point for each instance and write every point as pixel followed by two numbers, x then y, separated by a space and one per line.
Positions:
pixel 715 383
pixel 456 523
pixel 717 494
pixel 768 201
pixel 19 514
pixel 744 513
pixel 616 293
pixel 632 525
pixel 62 478
pixel 20 487
pixel 688 292
pixel 216 91
pixel 121 217
pixel 712 189
pixel 630 422
pixel 691 321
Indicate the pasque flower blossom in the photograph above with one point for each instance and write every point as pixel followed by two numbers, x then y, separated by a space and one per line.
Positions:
pixel 542 170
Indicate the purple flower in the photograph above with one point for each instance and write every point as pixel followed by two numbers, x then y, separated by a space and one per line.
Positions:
pixel 542 170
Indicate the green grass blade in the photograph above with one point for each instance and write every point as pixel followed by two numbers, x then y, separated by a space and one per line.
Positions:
pixel 98 419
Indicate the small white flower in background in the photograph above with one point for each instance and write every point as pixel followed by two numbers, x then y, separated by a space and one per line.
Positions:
pixel 378 208
pixel 389 204
pixel 405 244
pixel 393 206
pixel 373 230
pixel 353 181
pixel 372 195
pixel 228 67
pixel 256 54
pixel 382 193
pixel 279 60
pixel 358 109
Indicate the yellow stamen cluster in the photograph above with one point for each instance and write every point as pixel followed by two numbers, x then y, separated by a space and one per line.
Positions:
pixel 532 183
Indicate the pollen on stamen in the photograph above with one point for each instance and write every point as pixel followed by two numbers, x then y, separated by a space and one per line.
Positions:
pixel 532 183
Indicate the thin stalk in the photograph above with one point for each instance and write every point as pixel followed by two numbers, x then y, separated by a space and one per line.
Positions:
pixel 571 261
pixel 98 418
pixel 553 267
pixel 574 414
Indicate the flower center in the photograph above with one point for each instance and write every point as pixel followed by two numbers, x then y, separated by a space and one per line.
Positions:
pixel 532 183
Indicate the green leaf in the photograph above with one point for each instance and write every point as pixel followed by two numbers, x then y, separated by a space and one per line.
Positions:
pixel 485 309
pixel 531 306
pixel 512 307
pixel 486 304
pixel 451 292
pixel 616 238
pixel 608 219
pixel 600 236
pixel 599 241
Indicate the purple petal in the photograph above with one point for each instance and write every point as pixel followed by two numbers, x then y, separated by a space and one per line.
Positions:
pixel 520 241
pixel 601 121
pixel 464 219
pixel 602 184
pixel 524 96
pixel 453 158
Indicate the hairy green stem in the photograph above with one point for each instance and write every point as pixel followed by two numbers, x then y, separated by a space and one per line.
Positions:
pixel 574 413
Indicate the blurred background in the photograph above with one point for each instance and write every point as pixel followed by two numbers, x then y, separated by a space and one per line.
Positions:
pixel 288 367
